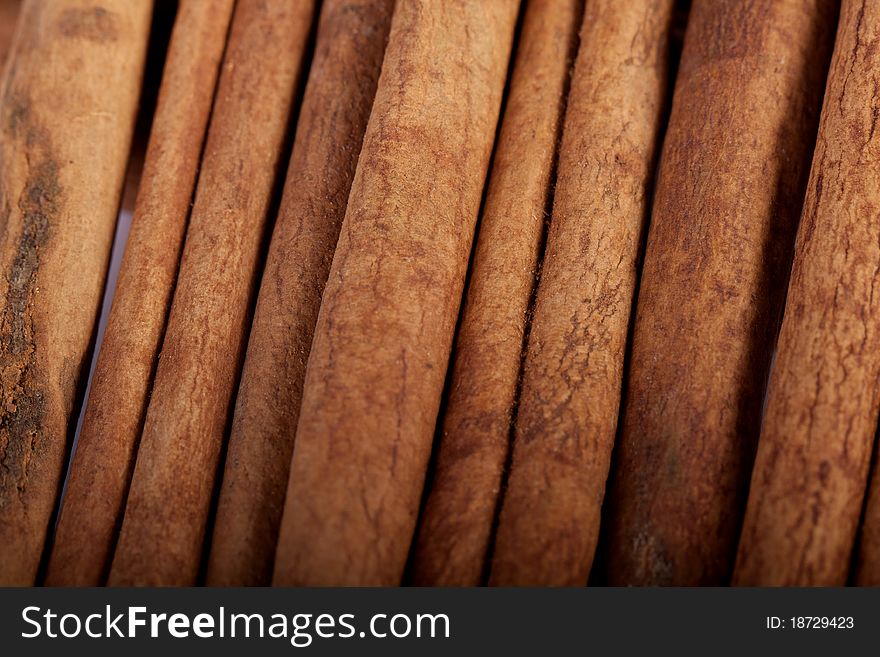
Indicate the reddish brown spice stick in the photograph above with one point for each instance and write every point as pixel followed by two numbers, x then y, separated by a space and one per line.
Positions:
pixel 457 521
pixel 814 452
pixel 377 365
pixel 567 417
pixel 105 452
pixel 728 196
pixel 342 82
pixel 67 113
pixel 168 503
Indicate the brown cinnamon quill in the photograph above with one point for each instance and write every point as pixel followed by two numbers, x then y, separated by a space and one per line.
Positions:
pixel 456 524
pixel 378 360
pixel 62 167
pixel 169 500
pixel 814 453
pixel 338 97
pixel 98 482
pixel 729 192
pixel 565 427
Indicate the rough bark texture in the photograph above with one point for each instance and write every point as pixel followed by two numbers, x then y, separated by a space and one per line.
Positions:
pixel 565 427
pixel 457 521
pixel 62 166
pixel 815 447
pixel 8 18
pixel 336 106
pixel 105 452
pixel 728 198
pixel 168 503
pixel 378 361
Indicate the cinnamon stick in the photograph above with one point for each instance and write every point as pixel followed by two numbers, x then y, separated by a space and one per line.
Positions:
pixel 565 427
pixel 169 499
pixel 814 453
pixel 728 197
pixel 62 166
pixel 336 105
pixel 377 364
pixel 457 521
pixel 105 452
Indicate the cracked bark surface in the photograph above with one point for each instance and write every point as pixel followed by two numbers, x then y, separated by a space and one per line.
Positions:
pixel 814 453
pixel 342 82
pixel 567 417
pixel 114 414
pixel 378 361
pixel 62 166
pixel 169 499
pixel 458 519
pixel 729 192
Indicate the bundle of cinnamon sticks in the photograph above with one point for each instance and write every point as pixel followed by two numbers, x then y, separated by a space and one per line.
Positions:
pixel 439 293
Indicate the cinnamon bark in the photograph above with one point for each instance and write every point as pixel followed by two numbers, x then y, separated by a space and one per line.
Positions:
pixel 336 106
pixel 814 452
pixel 868 564
pixel 378 360
pixel 728 197
pixel 105 452
pixel 62 166
pixel 565 427
pixel 169 499
pixel 8 18
pixel 457 521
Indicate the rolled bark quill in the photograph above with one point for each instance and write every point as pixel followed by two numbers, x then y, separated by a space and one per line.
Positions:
pixel 378 360
pixel 728 196
pixel 814 453
pixel 336 106
pixel 62 166
pixel 567 417
pixel 457 521
pixel 169 499
pixel 99 476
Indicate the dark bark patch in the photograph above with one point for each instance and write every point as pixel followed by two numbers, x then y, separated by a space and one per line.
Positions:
pixel 22 403
pixel 92 24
